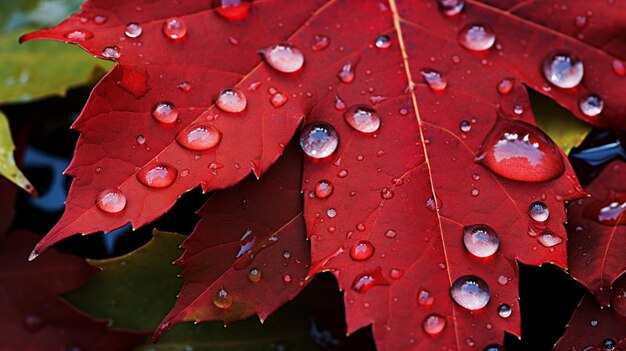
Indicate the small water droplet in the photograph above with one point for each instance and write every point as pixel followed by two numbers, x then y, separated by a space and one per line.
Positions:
pixel 234 10
pixel 386 194
pixel 433 204
pixel 184 86
pixel 286 254
pixel 287 278
pixel 594 323
pixel 232 100
pixel 425 298
pixel 365 281
pixel 465 126
pixel 618 67
pixel 470 292
pixel 254 275
pixel 494 348
pixel 549 239
pixel 580 21
pixel 503 280
pixel 199 137
pixel 504 310
pixel 140 139
pixel 331 212
pixel 563 70
pixel 480 240
pixel 157 176
pixel 133 30
pixel 340 105
pixel 434 324
pixel 451 7
pixel 278 99
pixel 505 86
pixel 79 35
pixel 323 189
pixel 222 299
pixel 434 79
pixel 347 74
pixel 475 192
pixel 538 211
pixel 396 273
pixel 165 112
pixel 518 109
pixel 591 105
pixel 362 251
pixel 319 140
pixel 100 20
pixel 391 234
pixel 112 52
pixel 477 37
pixel 284 57
pixel 609 344
pixel 174 28
pixel 111 201
pixel 362 118
pixel 383 42
pixel 320 42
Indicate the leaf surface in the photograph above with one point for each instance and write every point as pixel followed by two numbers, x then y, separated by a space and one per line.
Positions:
pixel 597 234
pixel 8 168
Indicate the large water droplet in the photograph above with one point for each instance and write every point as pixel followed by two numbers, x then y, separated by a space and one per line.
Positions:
pixel 133 30
pixel 319 140
pixel 174 28
pixel 323 189
pixel 284 57
pixel 591 105
pixel 222 299
pixel 434 324
pixel 112 52
pixel 368 280
pixel 470 292
pixel 165 112
pixel 538 211
pixel 362 251
pixel 362 118
pixel 111 201
pixel 234 10
pixel 504 310
pixel 477 37
pixel 199 137
pixel 563 70
pixel 451 7
pixel 157 176
pixel 480 240
pixel 520 151
pixel 434 79
pixel 548 239
pixel 232 100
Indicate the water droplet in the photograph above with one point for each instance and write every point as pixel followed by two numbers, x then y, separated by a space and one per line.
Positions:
pixel 199 137
pixel 591 105
pixel 494 348
pixel 594 323
pixel 32 322
pixel 362 118
pixel 609 344
pixel 580 21
pixel 470 292
pixel 222 299
pixel 563 70
pixel 434 324
pixel 503 280
pixel 284 57
pixel 79 35
pixel 184 86
pixel 157 176
pixel 99 20
pixel 538 211
pixel 425 298
pixel 362 251
pixel 133 30
pixel 340 105
pixel 383 42
pixel 278 99
pixel 112 52
pixel 234 10
pixel 386 194
pixel 363 282
pixel 504 310
pixel 518 109
pixel 391 234
pixel 434 79
pixel 347 74
pixel 433 204
pixel 286 254
pixel 465 126
pixel 320 42
pixel 548 239
pixel 254 275
pixel 480 240
pixel 287 278
pixel 319 140
pixel 396 273
pixel 451 7
pixel 477 37
pixel 165 112
pixel 232 100
pixel 618 67
pixel 323 189
pixel 111 201
pixel 174 28
pixel 140 139
pixel 475 192
pixel 505 86
pixel 331 212
pixel 520 151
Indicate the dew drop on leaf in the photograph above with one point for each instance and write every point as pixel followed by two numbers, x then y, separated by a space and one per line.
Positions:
pixel 323 189
pixel 234 10
pixel 319 140
pixel 470 292
pixel 465 126
pixel 549 239
pixel 538 211
pixel 363 118
pixel 365 281
pixel 591 105
pixel 519 151
pixel 396 273
pixel 254 275
pixel 157 176
pixel 278 99
pixel 111 201
pixel 320 42
pixel 222 299
pixel 174 28
pixel 505 86
pixel 434 324
pixel 287 278
pixel 284 57
pixel 112 52
pixel 100 20
pixel 383 42
pixel 504 310
pixel 434 79
pixel 494 348
pixel 165 112
pixel 609 344
pixel 477 37
pixel 563 70
pixel 133 30
pixel 451 7
pixel 480 240
pixel 232 100
pixel 433 203
pixel 79 35
pixel 391 234
pixel 199 137
pixel 618 67
pixel 362 251
pixel 347 74
pixel 425 298
pixel 331 212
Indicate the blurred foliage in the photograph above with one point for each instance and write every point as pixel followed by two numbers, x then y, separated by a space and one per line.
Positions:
pixel 8 168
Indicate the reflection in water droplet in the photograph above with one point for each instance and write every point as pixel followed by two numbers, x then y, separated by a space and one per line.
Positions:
pixel 157 176
pixel 538 211
pixel 591 105
pixel 470 292
pixel 222 299
pixel 434 324
pixel 477 37
pixel 174 28
pixel 504 310
pixel 199 137
pixel 480 240
pixel 362 250
pixel 323 189
pixel 319 140
pixel 548 239
pixel 232 100
pixel 563 70
pixel 133 30
pixel 284 57
pixel 111 201
pixel 434 79
pixel 234 10
pixel 451 7
pixel 165 112
pixel 363 118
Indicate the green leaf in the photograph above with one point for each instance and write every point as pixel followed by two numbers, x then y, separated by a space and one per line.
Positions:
pixel 565 129
pixel 137 290
pixel 8 168
pixel 39 69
